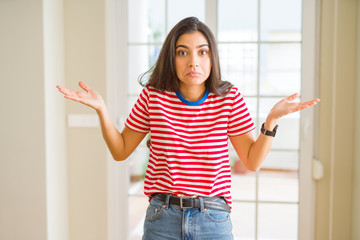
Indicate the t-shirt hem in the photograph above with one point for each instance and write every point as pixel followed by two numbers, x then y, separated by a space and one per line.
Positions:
pixel 136 130
pixel 239 134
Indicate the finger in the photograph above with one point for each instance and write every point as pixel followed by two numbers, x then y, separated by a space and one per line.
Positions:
pixel 68 92
pixel 311 102
pixel 303 105
pixel 292 97
pixel 84 86
pixel 63 89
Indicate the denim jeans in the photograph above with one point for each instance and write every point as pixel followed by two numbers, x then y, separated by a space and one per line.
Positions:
pixel 165 221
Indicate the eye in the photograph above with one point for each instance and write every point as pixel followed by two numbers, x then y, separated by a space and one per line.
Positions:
pixel 181 53
pixel 203 52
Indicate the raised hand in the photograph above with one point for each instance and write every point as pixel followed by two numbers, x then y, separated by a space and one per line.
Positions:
pixel 90 97
pixel 287 106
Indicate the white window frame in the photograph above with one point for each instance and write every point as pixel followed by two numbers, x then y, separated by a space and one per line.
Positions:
pixel 116 82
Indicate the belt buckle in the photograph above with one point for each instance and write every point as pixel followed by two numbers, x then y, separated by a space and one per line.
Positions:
pixel 181 204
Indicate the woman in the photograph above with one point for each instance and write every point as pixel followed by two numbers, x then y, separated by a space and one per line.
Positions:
pixel 191 113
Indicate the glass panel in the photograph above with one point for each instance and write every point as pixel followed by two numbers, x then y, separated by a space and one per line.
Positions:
pixel 138 161
pixel 238 20
pixel 277 185
pixel 137 211
pixel 251 103
pixel 178 10
pixel 157 17
pixel 280 20
pixel 243 182
pixel 288 133
pixel 131 102
pixel 141 58
pixel 278 221
pixel 139 203
pixel 146 20
pixel 280 69
pixel 239 66
pixel 138 64
pixel 282 160
pixel 243 220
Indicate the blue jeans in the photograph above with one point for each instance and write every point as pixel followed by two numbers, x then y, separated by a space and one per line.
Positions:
pixel 165 221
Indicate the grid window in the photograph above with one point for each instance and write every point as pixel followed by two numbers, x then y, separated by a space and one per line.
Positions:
pixel 260 52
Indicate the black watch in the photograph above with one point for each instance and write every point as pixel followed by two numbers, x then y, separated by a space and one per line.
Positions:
pixel 267 132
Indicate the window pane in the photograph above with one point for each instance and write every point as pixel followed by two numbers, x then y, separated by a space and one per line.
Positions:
pixel 278 221
pixel 243 182
pixel 239 66
pixel 277 185
pixel 138 161
pixel 178 10
pixel 251 103
pixel 157 17
pixel 288 133
pixel 280 20
pixel 138 64
pixel 141 58
pixel 282 160
pixel 131 102
pixel 243 220
pixel 146 20
pixel 280 69
pixel 137 212
pixel 237 20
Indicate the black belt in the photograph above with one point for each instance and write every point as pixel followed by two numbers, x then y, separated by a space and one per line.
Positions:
pixel 209 202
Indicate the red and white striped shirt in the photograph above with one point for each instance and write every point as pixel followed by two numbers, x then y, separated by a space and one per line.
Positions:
pixel 189 141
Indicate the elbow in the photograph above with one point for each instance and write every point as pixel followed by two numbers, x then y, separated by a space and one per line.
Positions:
pixel 252 167
pixel 120 157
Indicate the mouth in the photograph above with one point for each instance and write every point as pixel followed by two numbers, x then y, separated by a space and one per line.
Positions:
pixel 194 74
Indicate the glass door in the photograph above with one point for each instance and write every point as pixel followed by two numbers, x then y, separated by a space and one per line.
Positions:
pixel 260 46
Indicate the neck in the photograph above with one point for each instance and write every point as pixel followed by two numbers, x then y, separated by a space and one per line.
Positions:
pixel 192 93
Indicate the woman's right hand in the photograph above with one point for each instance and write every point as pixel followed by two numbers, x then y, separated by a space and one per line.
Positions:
pixel 90 97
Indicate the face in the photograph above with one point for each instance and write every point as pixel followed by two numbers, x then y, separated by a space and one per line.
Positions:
pixel 192 59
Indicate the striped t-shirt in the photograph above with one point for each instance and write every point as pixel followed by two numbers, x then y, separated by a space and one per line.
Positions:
pixel 189 141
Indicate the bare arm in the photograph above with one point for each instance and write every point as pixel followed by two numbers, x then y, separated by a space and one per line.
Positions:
pixel 252 153
pixel 121 145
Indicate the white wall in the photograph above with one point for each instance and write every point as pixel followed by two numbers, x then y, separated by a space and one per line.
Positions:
pixel 84 53
pixel 22 131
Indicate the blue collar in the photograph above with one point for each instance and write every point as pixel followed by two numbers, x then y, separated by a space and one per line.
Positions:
pixel 192 103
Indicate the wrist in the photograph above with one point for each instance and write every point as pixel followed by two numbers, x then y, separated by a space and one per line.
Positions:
pixel 101 109
pixel 270 123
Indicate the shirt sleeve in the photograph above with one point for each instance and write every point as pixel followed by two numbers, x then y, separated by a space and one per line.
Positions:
pixel 240 121
pixel 138 119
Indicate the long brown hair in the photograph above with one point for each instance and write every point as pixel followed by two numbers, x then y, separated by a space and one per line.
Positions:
pixel 163 74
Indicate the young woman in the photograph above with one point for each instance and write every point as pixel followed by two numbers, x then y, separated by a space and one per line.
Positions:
pixel 190 113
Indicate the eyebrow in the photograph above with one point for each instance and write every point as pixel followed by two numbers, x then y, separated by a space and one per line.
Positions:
pixel 200 46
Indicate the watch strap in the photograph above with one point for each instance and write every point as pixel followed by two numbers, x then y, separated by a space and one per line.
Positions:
pixel 268 132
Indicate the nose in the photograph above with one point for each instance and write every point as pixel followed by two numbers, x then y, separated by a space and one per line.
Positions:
pixel 194 61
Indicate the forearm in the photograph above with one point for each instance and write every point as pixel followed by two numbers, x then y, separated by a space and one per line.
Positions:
pixel 113 138
pixel 253 153
pixel 261 147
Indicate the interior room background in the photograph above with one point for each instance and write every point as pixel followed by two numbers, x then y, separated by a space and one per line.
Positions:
pixel 57 179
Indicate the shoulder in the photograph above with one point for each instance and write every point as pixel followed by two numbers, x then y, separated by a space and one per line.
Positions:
pixel 234 92
pixel 155 94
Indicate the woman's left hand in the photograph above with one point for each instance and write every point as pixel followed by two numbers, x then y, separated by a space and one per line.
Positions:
pixel 287 106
